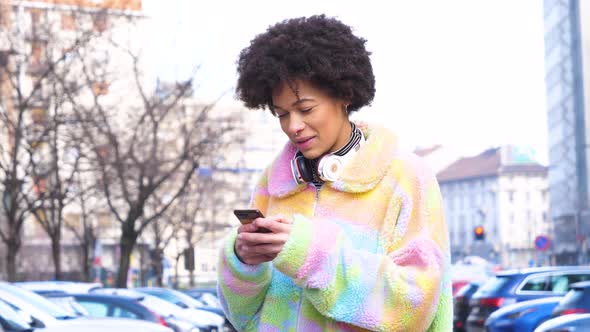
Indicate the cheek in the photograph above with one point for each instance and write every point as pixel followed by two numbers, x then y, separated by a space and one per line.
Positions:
pixel 284 126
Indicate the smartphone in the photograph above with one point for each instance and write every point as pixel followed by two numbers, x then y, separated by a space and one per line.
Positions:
pixel 247 216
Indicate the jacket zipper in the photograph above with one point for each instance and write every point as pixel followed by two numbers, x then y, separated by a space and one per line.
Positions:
pixel 315 205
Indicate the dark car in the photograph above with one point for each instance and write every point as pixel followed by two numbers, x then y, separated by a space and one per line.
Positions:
pixel 522 316
pixel 576 301
pixel 461 305
pixel 513 286
pixel 101 305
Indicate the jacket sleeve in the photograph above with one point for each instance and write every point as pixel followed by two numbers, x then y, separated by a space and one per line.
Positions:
pixel 242 287
pixel 405 287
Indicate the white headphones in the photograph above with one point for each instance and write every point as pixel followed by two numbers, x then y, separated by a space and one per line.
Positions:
pixel 329 166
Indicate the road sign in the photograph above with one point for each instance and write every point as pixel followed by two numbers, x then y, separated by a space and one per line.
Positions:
pixel 542 242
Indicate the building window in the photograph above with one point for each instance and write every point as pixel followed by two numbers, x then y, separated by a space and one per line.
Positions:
pixel 511 196
pixel 100 22
pixel 68 22
pixel 100 88
pixel 37 53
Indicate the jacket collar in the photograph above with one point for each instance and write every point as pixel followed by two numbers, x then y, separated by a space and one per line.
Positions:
pixel 360 174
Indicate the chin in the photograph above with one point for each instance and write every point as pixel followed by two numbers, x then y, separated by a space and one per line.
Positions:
pixel 311 154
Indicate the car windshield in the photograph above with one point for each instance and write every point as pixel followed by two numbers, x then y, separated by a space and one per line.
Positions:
pixel 173 296
pixel 492 285
pixel 11 320
pixel 573 296
pixel 159 306
pixel 69 304
pixel 464 290
pixel 39 302
pixel 210 300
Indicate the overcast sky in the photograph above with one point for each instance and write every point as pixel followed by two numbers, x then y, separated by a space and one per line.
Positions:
pixel 464 73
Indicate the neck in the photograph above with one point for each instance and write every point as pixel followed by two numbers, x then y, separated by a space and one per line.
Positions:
pixel 344 138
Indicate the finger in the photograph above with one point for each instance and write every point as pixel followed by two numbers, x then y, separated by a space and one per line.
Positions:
pixel 266 249
pixel 273 225
pixel 248 228
pixel 262 238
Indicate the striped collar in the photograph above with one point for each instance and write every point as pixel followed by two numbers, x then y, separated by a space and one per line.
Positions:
pixel 360 174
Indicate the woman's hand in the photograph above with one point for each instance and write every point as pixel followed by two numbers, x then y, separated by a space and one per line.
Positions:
pixel 254 247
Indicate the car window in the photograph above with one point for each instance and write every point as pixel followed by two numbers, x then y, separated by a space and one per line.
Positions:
pixel 123 313
pixel 573 278
pixel 95 309
pixel 559 284
pixel 536 284
pixel 493 285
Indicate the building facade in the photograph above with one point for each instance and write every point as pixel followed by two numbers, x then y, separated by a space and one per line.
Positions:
pixel 504 191
pixel 567 68
pixel 34 36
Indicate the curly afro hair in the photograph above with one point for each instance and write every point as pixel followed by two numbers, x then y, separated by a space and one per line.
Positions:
pixel 321 50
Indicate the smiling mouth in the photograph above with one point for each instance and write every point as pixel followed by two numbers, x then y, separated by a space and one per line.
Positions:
pixel 304 140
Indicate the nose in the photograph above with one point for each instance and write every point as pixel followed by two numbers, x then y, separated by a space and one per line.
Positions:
pixel 296 124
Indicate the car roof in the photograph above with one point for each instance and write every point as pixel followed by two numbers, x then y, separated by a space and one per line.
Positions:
pixel 541 269
pixel 124 297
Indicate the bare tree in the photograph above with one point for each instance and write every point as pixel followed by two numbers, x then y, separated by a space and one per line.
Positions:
pixel 147 147
pixel 35 57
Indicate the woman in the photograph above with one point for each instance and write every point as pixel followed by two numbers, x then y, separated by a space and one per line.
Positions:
pixel 357 238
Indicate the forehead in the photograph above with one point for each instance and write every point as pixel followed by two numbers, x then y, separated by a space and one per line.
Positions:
pixel 287 93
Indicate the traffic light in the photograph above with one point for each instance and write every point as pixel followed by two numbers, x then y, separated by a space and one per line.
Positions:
pixel 479 233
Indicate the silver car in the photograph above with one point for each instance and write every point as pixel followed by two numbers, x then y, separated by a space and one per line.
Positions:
pixel 41 313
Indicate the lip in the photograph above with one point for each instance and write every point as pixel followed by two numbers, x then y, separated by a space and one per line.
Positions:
pixel 303 143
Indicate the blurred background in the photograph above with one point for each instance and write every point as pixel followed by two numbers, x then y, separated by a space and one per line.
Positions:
pixel 123 150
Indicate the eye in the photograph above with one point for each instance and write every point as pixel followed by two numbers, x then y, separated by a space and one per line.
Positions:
pixel 281 115
pixel 307 110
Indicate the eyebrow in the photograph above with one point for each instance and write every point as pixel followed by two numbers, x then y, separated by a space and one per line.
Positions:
pixel 299 101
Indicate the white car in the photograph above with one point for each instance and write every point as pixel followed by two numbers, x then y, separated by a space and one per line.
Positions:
pixel 197 318
pixel 43 314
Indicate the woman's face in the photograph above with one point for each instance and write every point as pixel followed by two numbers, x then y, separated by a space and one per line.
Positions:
pixel 314 121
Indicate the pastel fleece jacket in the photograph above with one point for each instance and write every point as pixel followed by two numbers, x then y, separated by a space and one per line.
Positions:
pixel 368 252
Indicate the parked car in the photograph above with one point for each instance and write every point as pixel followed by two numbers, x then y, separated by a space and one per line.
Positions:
pixel 102 305
pixel 513 286
pixel 207 296
pixel 41 313
pixel 522 316
pixel 567 323
pixel 461 305
pixel 11 320
pixel 177 317
pixel 576 301
pixel 67 302
pixel 187 303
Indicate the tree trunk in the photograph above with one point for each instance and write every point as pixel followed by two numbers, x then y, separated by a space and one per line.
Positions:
pixel 12 249
pixel 56 253
pixel 191 280
pixel 128 239
pixel 159 268
pixel 86 262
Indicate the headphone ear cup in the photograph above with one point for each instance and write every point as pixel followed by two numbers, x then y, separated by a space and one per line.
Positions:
pixel 330 167
pixel 305 170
